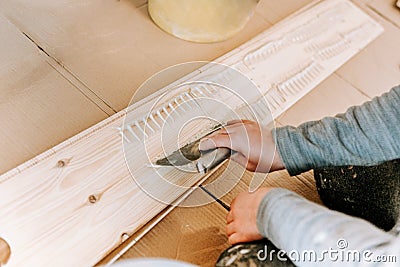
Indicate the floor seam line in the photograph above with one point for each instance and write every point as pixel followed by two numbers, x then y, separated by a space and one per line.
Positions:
pixel 383 16
pixel 354 86
pixel 69 76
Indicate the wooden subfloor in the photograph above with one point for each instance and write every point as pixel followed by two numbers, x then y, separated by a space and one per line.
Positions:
pixel 67 65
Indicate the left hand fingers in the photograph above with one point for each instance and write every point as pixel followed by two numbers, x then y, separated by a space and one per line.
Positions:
pixel 234 238
pixel 230 229
pixel 229 217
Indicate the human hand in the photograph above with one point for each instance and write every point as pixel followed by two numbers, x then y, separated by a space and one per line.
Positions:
pixel 254 145
pixel 242 218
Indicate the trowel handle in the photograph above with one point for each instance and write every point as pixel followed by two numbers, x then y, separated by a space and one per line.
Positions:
pixel 212 159
pixel 223 153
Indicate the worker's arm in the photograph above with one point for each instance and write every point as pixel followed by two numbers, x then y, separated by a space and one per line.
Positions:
pixel 292 222
pixel 254 145
pixel 301 228
pixel 364 135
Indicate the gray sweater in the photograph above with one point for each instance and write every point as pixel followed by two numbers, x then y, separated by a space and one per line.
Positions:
pixel 310 233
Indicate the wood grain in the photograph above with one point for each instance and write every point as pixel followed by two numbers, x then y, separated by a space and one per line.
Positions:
pixel 78 201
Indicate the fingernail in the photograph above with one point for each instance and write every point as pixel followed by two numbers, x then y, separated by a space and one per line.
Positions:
pixel 206 144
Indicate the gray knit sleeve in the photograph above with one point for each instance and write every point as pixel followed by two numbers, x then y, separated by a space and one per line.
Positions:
pixel 364 135
pixel 312 235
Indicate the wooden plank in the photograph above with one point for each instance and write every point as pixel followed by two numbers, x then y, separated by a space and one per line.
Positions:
pixel 39 107
pixel 84 186
pixel 375 70
pixel 113 50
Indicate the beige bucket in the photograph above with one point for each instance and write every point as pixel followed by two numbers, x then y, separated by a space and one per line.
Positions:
pixel 202 20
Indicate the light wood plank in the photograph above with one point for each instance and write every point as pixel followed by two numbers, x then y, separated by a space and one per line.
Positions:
pixel 64 207
pixel 84 185
pixel 39 107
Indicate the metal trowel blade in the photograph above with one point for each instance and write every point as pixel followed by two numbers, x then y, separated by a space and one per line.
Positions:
pixel 185 154
pixel 182 156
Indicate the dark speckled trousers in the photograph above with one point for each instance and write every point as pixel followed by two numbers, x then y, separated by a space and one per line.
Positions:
pixel 371 193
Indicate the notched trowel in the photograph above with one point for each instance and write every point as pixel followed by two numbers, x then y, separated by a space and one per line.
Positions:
pixel 190 158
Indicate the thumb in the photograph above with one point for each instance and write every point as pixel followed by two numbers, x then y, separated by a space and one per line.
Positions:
pixel 207 144
pixel 219 140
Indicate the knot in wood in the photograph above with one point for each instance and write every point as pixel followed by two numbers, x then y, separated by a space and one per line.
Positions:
pixel 5 252
pixel 124 237
pixel 61 163
pixel 92 199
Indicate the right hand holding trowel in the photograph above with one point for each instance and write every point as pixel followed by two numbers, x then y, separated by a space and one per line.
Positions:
pixel 255 146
